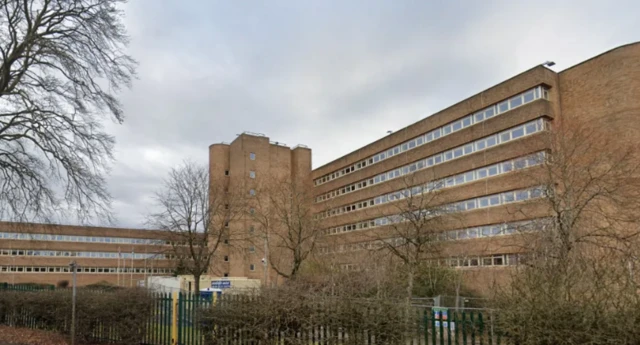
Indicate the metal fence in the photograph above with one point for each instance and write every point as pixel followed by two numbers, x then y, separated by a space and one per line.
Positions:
pixel 175 321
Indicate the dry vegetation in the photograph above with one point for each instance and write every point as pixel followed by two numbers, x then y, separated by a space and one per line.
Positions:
pixel 577 283
pixel 124 311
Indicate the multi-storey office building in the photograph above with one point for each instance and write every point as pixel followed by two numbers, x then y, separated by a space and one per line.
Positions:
pixel 479 153
pixel 245 169
pixel 41 253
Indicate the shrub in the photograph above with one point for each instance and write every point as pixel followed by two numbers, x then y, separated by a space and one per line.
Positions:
pixel 295 314
pixel 118 315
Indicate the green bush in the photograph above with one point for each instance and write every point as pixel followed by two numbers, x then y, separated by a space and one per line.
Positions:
pixel 115 315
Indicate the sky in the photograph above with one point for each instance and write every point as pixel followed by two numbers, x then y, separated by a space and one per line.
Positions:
pixel 332 75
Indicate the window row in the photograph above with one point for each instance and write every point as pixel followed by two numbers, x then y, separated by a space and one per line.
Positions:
pixel 451 235
pixel 462 262
pixel 66 269
pixel 485 143
pixel 499 199
pixel 480 116
pixel 99 255
pixel 68 238
pixel 447 182
pixel 481 261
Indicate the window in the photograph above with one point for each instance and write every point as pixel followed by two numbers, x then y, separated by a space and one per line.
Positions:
pixel 252 192
pixel 251 229
pixel 252 174
pixel 226 173
pixel 252 267
pixel 226 241
pixel 504 106
pixel 226 224
pixel 252 249
pixel 226 258
pixel 252 210
pixel 225 275
pixel 252 156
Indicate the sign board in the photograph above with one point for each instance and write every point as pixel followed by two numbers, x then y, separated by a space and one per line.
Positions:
pixel 442 314
pixel 220 284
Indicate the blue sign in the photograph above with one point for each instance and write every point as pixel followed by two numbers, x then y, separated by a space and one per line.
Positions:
pixel 220 284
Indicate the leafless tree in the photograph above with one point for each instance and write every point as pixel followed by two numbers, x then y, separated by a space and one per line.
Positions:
pixel 196 213
pixel 578 262
pixel 412 222
pixel 63 63
pixel 286 221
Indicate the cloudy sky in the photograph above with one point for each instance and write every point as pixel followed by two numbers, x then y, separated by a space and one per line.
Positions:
pixel 333 75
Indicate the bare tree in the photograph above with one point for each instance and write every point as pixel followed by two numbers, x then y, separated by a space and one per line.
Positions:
pixel 196 213
pixel 62 64
pixel 576 272
pixel 287 223
pixel 413 221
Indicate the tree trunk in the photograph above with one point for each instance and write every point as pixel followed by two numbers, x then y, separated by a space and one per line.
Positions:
pixel 196 284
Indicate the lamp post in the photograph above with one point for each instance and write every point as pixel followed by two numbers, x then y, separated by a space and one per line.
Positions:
pixel 74 270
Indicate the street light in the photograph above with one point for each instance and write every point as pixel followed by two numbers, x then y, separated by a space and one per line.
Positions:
pixel 74 268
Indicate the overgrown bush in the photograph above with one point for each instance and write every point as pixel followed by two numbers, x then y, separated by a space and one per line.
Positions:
pixel 298 314
pixel 117 315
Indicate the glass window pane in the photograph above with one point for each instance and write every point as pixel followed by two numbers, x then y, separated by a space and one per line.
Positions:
pixel 508 197
pixel 491 141
pixel 466 122
pixel 516 101
pixel 490 112
pixel 448 155
pixel 457 125
pixel 420 140
pixel 528 96
pixel 483 202
pixel 468 149
pixel 468 177
pixel 412 144
pixel 494 200
pixel 457 152
pixel 480 145
pixel 437 159
pixel 459 179
pixel 481 173
pixel 429 136
pixel 436 134
pixel 479 116
pixel 522 195
pixel 493 170
pixel 507 166
pixel 517 132
pixel 531 128
pixel 471 204
pixel 504 106
pixel 520 163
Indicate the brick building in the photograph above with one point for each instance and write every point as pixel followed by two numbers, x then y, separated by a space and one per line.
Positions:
pixel 41 253
pixel 481 152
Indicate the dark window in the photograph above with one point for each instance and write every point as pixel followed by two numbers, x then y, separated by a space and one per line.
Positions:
pixel 226 172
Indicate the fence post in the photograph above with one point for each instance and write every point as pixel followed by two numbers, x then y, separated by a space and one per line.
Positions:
pixel 174 319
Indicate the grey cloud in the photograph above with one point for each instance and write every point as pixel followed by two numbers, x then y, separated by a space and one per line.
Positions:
pixel 334 75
